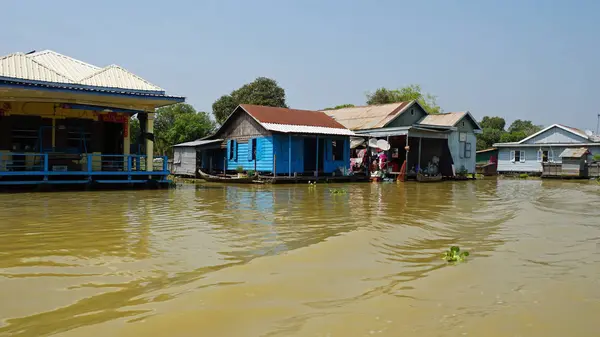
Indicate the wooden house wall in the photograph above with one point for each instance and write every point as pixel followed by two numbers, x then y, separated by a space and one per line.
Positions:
pixel 572 166
pixel 457 149
pixel 531 165
pixel 556 135
pixel 241 127
pixel 409 117
pixel 184 161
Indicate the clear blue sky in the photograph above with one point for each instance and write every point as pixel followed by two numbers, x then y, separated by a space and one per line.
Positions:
pixel 523 59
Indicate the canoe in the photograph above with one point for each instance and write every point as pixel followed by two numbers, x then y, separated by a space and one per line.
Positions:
pixel 225 179
pixel 425 179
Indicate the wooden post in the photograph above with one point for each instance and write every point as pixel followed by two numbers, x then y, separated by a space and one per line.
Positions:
pixel 290 155
pixel 317 166
pixel 419 160
pixel 406 161
pixel 225 164
pixel 210 165
pixel 274 165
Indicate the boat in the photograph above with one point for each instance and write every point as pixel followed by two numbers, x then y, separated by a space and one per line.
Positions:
pixel 426 179
pixel 226 178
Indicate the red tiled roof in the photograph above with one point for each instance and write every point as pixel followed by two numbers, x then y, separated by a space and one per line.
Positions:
pixel 266 114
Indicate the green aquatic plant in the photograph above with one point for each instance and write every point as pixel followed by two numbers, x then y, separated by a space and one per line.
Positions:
pixel 338 191
pixel 240 169
pixel 250 173
pixel 455 255
pixel 523 176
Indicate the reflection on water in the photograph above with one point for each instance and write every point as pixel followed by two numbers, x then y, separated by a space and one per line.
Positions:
pixel 300 261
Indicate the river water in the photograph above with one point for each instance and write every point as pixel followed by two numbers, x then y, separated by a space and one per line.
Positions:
pixel 214 260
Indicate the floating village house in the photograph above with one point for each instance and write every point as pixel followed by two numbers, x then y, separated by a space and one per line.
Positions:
pixel 417 136
pixel 546 151
pixel 270 140
pixel 64 121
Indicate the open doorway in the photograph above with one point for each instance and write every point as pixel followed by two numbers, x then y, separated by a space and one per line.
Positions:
pixel 112 145
pixel 310 154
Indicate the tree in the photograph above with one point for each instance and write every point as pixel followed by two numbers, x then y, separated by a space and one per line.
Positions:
pixel 496 123
pixel 262 91
pixel 524 126
pixel 340 107
pixel 509 137
pixel 134 130
pixel 179 123
pixel 405 94
pixel 488 138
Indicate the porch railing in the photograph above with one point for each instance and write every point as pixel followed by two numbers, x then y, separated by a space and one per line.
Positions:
pixel 51 163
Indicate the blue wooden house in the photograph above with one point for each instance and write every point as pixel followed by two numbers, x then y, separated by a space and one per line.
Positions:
pixel 279 141
pixel 545 146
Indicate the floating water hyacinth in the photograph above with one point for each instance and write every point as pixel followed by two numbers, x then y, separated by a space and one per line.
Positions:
pixel 338 191
pixel 455 255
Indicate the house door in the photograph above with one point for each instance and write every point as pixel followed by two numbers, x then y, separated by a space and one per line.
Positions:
pixel 310 154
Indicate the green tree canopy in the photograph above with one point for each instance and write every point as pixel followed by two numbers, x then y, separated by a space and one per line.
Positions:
pixel 179 123
pixel 509 137
pixel 262 91
pixel 340 107
pixel 524 126
pixel 496 123
pixel 408 93
pixel 489 137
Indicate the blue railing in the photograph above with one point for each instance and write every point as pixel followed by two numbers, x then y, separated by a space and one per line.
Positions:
pixel 14 164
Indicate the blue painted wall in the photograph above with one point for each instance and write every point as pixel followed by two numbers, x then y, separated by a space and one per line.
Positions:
pixel 279 145
pixel 531 163
pixel 264 155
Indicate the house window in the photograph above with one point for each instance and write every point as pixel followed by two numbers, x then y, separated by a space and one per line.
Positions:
pixel 463 123
pixel 517 156
pixel 253 148
pixel 337 150
pixel 467 150
pixel 232 149
pixel 412 112
pixel 544 156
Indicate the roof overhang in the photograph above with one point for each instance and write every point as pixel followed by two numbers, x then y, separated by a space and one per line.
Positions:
pixel 517 145
pixel 11 90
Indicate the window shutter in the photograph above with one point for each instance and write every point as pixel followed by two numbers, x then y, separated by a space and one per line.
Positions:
pixel 235 150
pixel 259 149
pixel 522 156
pixel 250 150
pixel 512 156
pixel 540 155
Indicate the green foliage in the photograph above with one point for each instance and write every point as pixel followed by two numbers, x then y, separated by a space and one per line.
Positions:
pixel 523 176
pixel 508 137
pixel 596 157
pixel 251 173
pixel 340 107
pixel 455 255
pixel 262 91
pixel 495 123
pixel 239 169
pixel 134 130
pixel 493 131
pixel 408 93
pixel 338 191
pixel 527 127
pixel 488 137
pixel 462 172
pixel 179 123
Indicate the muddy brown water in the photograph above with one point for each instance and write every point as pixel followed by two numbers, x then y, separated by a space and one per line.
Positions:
pixel 214 260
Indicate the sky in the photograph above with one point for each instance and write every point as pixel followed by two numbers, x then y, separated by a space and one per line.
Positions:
pixel 536 60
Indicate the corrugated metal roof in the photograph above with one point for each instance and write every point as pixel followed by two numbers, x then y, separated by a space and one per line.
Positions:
pixel 20 66
pixel 445 119
pixel 367 117
pixel 574 153
pixel 52 67
pixel 115 76
pixel 67 66
pixel 288 128
pixel 273 115
pixel 575 130
pixel 198 142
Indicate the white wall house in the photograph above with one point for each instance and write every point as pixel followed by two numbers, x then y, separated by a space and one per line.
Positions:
pixel 527 155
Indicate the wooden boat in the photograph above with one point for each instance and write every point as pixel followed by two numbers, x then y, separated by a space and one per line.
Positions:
pixel 226 179
pixel 426 179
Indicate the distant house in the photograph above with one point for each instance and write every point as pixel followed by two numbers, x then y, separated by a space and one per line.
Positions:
pixel 545 146
pixel 450 137
pixel 271 140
